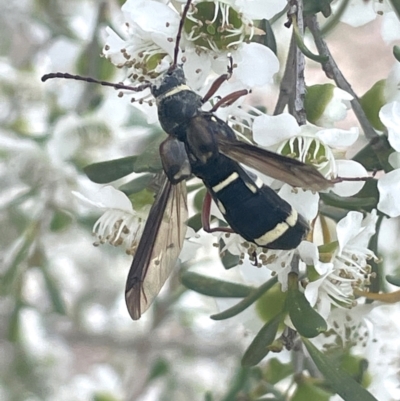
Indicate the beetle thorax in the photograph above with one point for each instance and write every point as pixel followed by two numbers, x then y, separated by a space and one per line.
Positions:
pixel 177 103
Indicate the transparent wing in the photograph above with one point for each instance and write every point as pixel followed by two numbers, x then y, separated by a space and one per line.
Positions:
pixel 291 171
pixel 159 247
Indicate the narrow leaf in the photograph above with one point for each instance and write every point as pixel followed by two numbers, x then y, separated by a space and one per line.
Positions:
pixel 396 52
pixel 246 302
pixel 105 172
pixel 258 349
pixel 214 287
pixel 14 325
pixel 229 260
pixel 307 390
pixel 304 318
pixel 339 380
pixel 54 291
pixel 137 184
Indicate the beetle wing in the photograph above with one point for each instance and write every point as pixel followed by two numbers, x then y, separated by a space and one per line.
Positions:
pixel 286 169
pixel 159 247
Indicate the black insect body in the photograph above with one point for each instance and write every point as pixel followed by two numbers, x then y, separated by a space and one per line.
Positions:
pixel 201 144
pixel 252 209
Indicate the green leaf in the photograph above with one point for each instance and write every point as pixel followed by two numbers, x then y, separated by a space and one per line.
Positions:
pixel 307 391
pixel 137 184
pixel 395 4
pixel 396 52
pixel 394 280
pixel 195 222
pixel 366 200
pixel 372 101
pixel 305 319
pixel 14 324
pixel 259 347
pixel 199 199
pixel 12 277
pixel 159 368
pixel 271 303
pixel 208 396
pixel 54 291
pixel 142 198
pixel 149 160
pixel 246 302
pixel 214 287
pixel 277 371
pixel 339 380
pixel 229 260
pixel 105 172
pixel 349 203
pixel 316 99
pixel 312 7
pixel 372 160
pixel 356 367
pixel 269 37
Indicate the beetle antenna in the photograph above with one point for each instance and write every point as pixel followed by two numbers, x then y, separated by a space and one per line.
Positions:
pixel 95 81
pixel 179 35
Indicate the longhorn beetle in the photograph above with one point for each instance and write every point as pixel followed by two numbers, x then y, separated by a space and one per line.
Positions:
pixel 200 143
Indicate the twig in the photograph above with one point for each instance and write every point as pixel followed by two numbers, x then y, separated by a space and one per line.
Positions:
pixel 298 110
pixel 292 88
pixel 288 79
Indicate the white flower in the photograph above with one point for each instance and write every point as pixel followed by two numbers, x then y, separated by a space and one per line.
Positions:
pixel 149 43
pixel 354 233
pixel 336 109
pixel 390 117
pixel 348 267
pixel 148 47
pixel 357 13
pixel 313 145
pixel 228 31
pixel 326 104
pixel 119 224
pixel 388 185
pixel 277 261
pixel 390 29
pixel 389 193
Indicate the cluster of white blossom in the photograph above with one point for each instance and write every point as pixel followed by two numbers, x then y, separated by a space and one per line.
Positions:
pixel 145 50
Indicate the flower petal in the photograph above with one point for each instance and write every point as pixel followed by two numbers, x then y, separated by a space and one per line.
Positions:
pixel 350 169
pixel 107 197
pixel 338 138
pixel 249 69
pixel 357 12
pixel 390 117
pixel 272 130
pixel 305 202
pixel 260 9
pixel 389 193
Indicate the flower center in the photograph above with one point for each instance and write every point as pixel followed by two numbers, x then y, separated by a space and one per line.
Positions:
pixel 216 26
